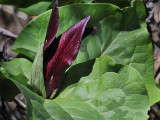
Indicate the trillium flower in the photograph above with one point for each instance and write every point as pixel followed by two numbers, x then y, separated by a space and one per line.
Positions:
pixel 59 53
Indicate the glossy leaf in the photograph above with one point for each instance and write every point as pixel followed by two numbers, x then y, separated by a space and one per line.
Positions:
pixel 108 92
pixel 138 53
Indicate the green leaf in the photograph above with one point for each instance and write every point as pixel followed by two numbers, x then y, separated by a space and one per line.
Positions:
pixel 115 29
pixel 36 35
pixel 120 3
pixel 16 70
pixel 56 111
pixel 97 86
pixel 106 93
pixel 137 54
pixel 8 90
pixel 36 9
pixel 42 6
pixel 65 2
pixel 141 11
pixel 87 1
pixel 20 3
pixel 33 35
pixel 35 109
pixel 37 78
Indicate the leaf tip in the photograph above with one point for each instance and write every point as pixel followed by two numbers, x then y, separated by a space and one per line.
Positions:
pixel 56 4
pixel 87 18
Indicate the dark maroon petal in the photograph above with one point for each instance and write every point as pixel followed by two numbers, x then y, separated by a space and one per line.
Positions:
pixel 65 55
pixel 49 53
pixel 88 31
pixel 52 26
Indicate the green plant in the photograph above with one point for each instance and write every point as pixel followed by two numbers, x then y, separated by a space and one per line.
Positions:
pixel 112 76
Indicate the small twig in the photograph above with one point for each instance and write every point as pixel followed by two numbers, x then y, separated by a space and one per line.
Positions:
pixel 157 72
pixel 17 18
pixel 19 102
pixel 156 43
pixel 8 34
pixel 3 111
pixel 155 112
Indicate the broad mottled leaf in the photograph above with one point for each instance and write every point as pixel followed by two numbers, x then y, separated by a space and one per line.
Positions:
pixel 108 92
pixel 56 111
pixel 137 54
